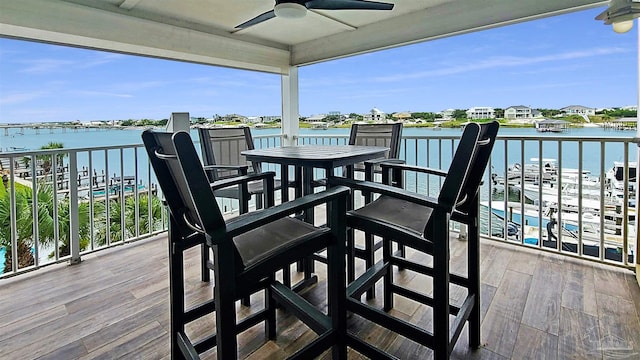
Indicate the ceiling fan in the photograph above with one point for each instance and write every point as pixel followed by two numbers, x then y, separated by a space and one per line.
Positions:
pixel 298 8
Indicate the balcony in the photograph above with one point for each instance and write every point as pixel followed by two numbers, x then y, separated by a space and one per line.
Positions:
pixel 115 304
pixel 568 298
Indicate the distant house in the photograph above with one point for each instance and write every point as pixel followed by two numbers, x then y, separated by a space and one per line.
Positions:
pixel 253 120
pixel 375 115
pixel 518 112
pixel 481 112
pixel 271 118
pixel 316 117
pixel 401 115
pixel 235 118
pixel 447 114
pixel 578 110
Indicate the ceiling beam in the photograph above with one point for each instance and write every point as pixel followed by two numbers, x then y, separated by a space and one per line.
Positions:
pixel 66 23
pixel 448 19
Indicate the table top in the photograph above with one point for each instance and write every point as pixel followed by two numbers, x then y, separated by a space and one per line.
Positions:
pixel 321 156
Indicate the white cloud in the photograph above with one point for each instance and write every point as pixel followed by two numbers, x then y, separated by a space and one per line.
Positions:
pixel 17 98
pixel 500 62
pixel 100 94
pixel 45 66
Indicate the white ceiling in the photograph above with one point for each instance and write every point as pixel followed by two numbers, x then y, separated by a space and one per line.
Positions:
pixel 203 30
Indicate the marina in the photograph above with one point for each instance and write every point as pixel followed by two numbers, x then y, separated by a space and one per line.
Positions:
pixel 569 205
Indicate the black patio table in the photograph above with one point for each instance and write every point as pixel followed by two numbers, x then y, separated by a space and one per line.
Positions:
pixel 309 157
pixel 305 158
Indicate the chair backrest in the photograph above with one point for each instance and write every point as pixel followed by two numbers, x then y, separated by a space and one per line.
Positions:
pixel 387 135
pixel 222 146
pixel 183 182
pixel 468 165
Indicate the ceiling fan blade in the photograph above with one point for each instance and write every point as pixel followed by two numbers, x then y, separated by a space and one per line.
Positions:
pixel 348 5
pixel 258 19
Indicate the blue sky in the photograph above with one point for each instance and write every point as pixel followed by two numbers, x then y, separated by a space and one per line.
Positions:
pixel 550 63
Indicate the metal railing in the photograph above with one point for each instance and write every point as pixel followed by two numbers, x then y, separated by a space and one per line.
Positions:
pixel 549 193
pixel 555 194
pixel 60 204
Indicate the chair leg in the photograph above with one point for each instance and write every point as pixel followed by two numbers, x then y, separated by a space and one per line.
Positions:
pixel 259 202
pixel 204 264
pixel 369 257
pixel 176 292
pixel 336 286
pixel 387 279
pixel 351 256
pixel 441 286
pixel 473 266
pixel 226 342
pixel 286 276
pixel 246 301
pixel 270 305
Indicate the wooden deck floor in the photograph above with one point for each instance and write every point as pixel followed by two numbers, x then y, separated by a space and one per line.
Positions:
pixel 115 305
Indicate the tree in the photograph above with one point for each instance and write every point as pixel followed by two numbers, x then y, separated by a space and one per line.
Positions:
pixel 459 114
pixel 24 229
pixel 46 160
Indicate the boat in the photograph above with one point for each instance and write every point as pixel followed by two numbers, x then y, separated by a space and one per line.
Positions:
pixel 615 176
pixel 548 125
pixel 535 226
pixel 319 125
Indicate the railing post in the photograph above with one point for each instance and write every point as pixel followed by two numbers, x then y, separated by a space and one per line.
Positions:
pixel 74 217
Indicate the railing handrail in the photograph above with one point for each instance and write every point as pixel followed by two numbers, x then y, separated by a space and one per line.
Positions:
pixel 410 143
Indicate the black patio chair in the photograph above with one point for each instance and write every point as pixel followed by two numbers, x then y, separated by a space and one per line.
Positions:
pixel 221 156
pixel 385 135
pixel 422 223
pixel 247 250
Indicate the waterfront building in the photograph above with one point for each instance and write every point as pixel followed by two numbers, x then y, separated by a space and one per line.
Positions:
pixel 518 112
pixel 375 115
pixel 481 112
pixel 447 114
pixel 578 110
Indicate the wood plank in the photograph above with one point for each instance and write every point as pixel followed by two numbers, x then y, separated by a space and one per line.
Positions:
pixel 502 321
pixel 525 261
pixel 542 310
pixel 579 336
pixel 72 350
pixel 619 327
pixel 579 289
pixel 610 281
pixel 115 304
pixel 127 345
pixel 533 343
pixel 494 265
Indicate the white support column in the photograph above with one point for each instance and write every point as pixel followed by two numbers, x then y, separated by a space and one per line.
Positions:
pixel 179 121
pixel 290 107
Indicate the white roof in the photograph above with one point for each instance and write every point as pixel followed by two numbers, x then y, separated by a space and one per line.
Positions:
pixel 202 31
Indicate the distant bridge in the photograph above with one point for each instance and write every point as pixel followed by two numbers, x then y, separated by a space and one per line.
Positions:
pixel 5 129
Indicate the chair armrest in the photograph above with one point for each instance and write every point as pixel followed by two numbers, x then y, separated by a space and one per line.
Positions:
pixel 256 219
pixel 383 189
pixel 384 160
pixel 239 180
pixel 242 169
pixel 389 165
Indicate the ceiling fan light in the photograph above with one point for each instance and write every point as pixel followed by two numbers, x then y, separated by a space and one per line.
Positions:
pixel 622 26
pixel 290 10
